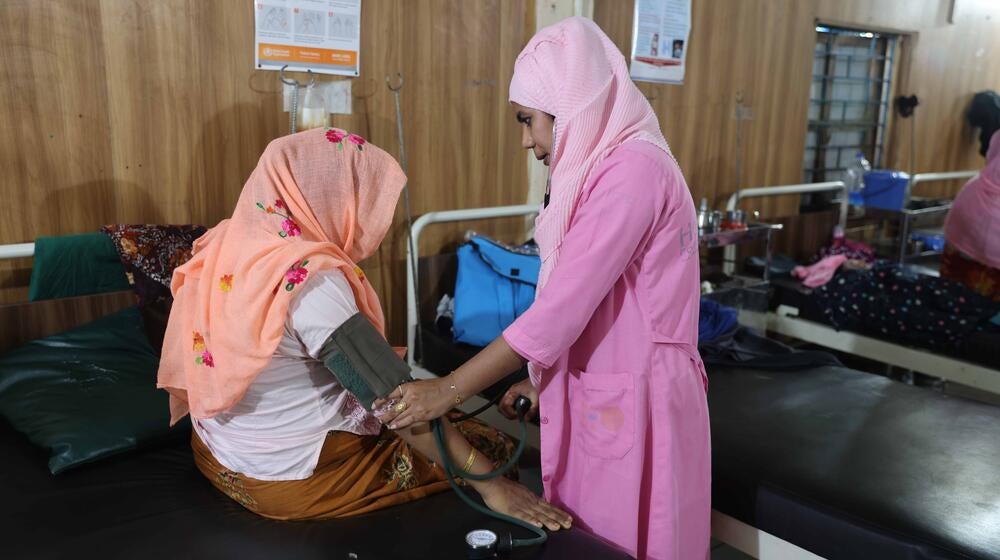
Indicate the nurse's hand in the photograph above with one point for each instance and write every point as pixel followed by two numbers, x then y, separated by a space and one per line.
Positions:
pixel 510 498
pixel 506 404
pixel 418 401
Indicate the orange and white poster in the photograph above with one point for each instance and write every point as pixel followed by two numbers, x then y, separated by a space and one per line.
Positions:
pixel 319 35
pixel 660 33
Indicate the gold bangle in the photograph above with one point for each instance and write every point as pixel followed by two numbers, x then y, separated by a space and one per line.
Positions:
pixel 471 460
pixel 458 396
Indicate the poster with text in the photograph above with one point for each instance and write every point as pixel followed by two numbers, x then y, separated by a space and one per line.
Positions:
pixel 660 33
pixel 319 35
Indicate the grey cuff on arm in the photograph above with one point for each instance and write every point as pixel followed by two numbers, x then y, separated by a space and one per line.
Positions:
pixel 363 361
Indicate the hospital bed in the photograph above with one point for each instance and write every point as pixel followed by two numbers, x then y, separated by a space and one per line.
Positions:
pixel 151 502
pixel 155 504
pixel 821 463
pixel 848 465
pixel 794 315
pixel 433 355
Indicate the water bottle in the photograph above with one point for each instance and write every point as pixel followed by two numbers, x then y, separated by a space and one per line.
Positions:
pixel 855 174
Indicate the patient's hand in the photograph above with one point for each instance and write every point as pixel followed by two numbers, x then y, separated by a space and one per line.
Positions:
pixel 419 401
pixel 505 496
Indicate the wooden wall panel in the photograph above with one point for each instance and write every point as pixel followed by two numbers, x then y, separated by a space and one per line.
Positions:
pixel 55 151
pixel 950 64
pixel 763 48
pixel 151 111
pixel 188 115
pixel 23 322
pixel 900 15
pixel 951 52
pixel 758 48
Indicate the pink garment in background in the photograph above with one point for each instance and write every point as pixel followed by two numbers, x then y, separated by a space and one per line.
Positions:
pixel 973 224
pixel 624 416
pixel 820 273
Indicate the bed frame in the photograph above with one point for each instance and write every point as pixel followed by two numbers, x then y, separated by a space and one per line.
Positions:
pixel 734 199
pixel 424 523
pixel 491 415
pixel 786 321
pixel 726 529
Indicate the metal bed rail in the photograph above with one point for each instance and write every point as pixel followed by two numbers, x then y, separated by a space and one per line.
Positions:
pixel 27 250
pixel 932 177
pixel 412 253
pixel 908 216
pixel 17 251
pixel 802 188
pixel 491 416
pixel 729 254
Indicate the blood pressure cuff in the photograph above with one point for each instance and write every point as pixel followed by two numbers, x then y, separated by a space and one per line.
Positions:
pixel 363 361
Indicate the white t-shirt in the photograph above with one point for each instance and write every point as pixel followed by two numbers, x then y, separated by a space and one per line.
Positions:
pixel 276 432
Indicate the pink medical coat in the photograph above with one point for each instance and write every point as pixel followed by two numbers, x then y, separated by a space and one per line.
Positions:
pixel 613 335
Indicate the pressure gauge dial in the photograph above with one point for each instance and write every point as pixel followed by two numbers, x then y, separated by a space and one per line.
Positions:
pixel 481 543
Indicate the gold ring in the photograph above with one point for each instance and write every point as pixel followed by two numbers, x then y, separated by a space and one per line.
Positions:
pixel 400 406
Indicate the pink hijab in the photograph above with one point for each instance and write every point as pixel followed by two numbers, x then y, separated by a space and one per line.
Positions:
pixel 973 224
pixel 572 71
pixel 318 200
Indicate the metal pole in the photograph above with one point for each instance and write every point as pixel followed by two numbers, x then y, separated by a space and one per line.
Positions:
pixel 411 252
pixel 295 94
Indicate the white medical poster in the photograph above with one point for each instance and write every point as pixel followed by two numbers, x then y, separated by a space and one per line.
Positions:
pixel 660 33
pixel 319 35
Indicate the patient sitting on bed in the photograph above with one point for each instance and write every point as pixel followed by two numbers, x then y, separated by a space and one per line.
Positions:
pixel 253 310
pixel 972 230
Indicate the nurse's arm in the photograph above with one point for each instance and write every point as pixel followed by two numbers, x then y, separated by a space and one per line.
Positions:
pixel 608 231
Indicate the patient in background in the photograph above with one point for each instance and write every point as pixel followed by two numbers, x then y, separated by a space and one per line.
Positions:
pixel 253 308
pixel 972 230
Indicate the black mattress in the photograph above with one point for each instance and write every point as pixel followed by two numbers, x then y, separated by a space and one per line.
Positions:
pixel 155 504
pixel 847 464
pixel 979 348
pixel 854 466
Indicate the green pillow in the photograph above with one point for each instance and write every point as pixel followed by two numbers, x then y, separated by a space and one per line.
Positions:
pixel 75 265
pixel 87 393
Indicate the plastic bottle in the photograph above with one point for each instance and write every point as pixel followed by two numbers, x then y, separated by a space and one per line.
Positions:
pixel 854 176
pixel 312 112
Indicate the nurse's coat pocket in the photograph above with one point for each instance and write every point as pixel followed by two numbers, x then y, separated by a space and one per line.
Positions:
pixel 605 414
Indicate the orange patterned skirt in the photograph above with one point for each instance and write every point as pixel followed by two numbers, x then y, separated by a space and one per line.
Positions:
pixel 354 475
pixel 977 276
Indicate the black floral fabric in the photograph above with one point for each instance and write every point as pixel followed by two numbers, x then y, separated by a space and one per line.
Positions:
pixel 150 253
pixel 913 309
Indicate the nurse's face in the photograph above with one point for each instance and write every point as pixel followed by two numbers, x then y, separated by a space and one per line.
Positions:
pixel 536 133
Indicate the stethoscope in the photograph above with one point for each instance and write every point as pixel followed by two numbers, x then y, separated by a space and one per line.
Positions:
pixel 484 543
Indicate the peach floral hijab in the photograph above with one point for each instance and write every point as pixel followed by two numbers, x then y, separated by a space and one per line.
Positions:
pixel 318 200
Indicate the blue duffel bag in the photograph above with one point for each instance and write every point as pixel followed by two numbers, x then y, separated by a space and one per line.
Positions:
pixel 495 285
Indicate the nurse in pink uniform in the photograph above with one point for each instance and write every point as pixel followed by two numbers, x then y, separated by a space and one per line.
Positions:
pixel 611 338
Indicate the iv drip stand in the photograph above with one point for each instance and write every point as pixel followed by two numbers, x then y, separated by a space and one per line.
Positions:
pixel 395 89
pixel 295 93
